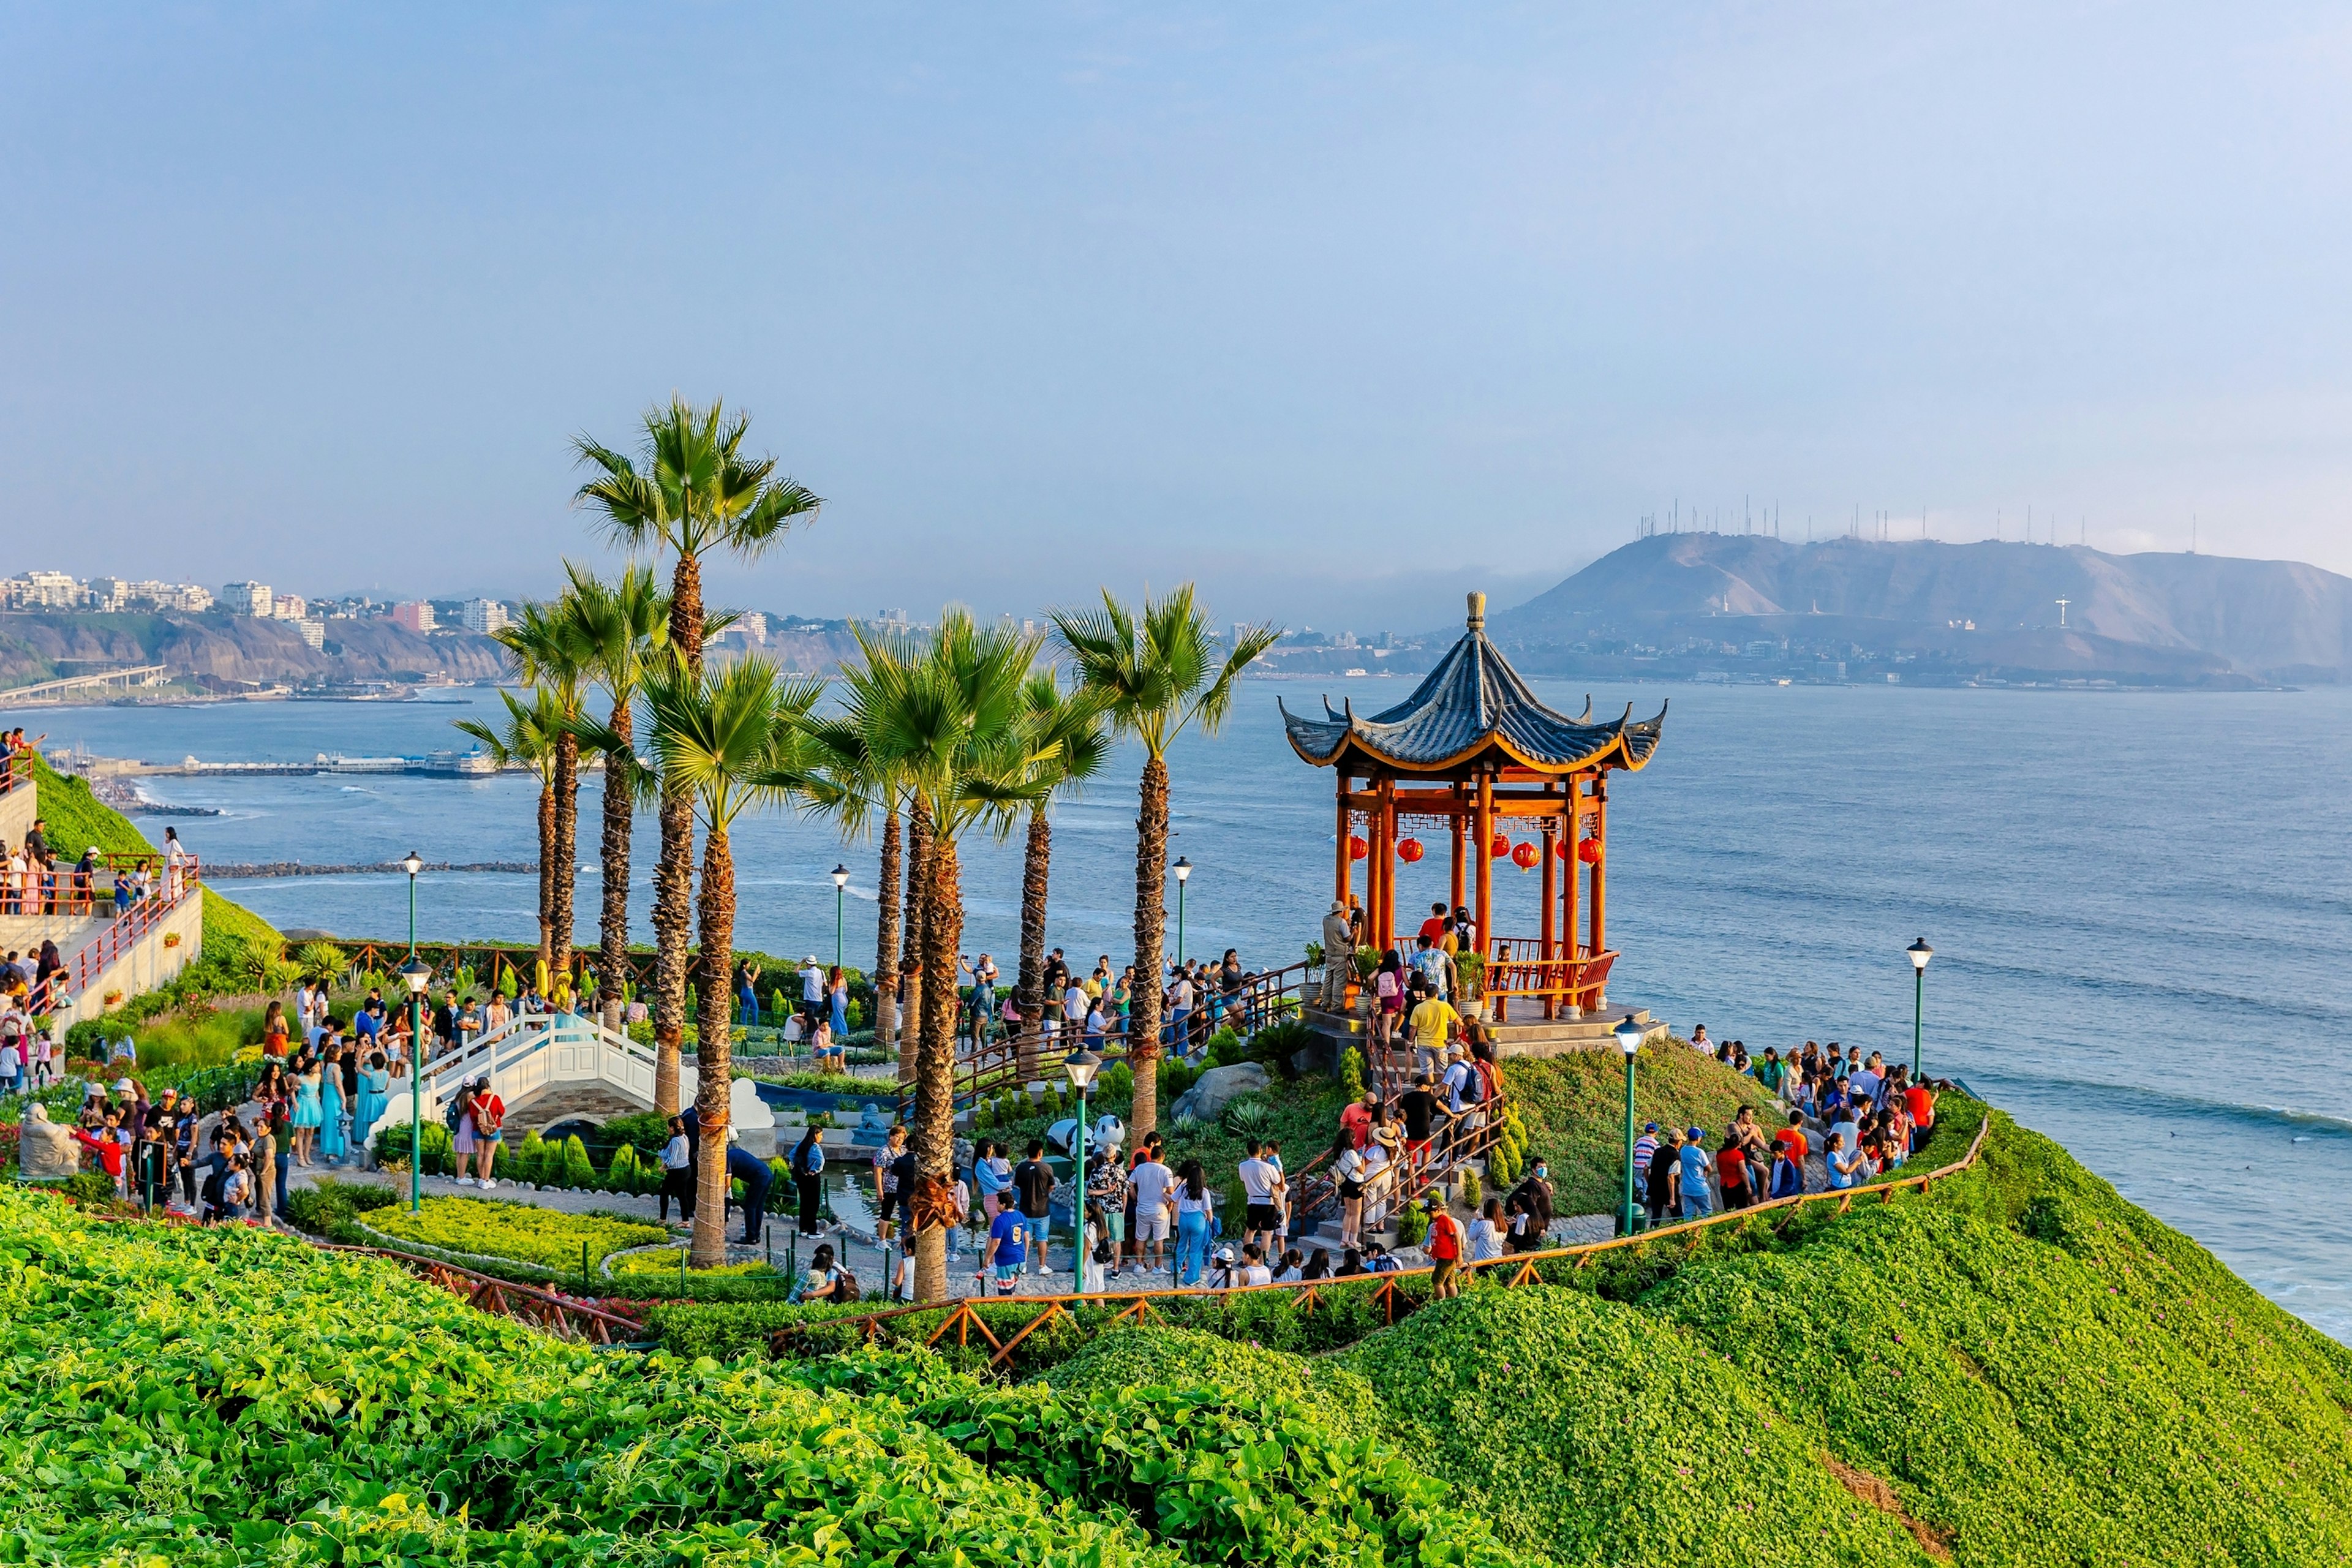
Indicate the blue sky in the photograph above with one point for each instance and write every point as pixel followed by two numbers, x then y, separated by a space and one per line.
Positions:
pixel 1336 310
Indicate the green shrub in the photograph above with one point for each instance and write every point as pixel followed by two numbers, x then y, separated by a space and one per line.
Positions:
pixel 392 1148
pixel 1351 1073
pixel 1411 1224
pixel 1472 1192
pixel 1279 1042
pixel 578 1171
pixel 528 1164
pixel 622 1175
pixel 1246 1117
pixel 1225 1048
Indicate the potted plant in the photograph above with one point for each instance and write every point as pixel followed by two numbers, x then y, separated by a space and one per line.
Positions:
pixel 1472 969
pixel 171 939
pixel 1359 992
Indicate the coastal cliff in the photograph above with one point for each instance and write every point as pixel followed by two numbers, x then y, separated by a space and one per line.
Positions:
pixel 237 649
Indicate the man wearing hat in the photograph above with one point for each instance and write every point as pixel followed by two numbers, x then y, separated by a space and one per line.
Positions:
pixel 812 989
pixel 1339 955
pixel 1697 1203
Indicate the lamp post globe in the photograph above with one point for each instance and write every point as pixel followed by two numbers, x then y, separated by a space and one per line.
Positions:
pixel 1919 953
pixel 416 975
pixel 1629 1035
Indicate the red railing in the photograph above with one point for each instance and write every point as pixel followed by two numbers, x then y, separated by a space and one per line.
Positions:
pixel 1518 967
pixel 17 771
pixel 174 885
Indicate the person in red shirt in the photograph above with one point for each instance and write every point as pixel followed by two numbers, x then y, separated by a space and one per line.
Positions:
pixel 1432 930
pixel 1444 1246
pixel 1356 1122
pixel 1920 1106
pixel 108 1147
pixel 489 1116
pixel 1731 1175
pixel 1792 1137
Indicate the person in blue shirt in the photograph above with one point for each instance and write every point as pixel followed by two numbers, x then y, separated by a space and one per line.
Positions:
pixel 1844 1162
pixel 1788 1176
pixel 748 1168
pixel 1008 1246
pixel 1696 1204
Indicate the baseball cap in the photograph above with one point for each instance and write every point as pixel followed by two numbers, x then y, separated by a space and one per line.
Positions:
pixel 1652 1127
pixel 1697 1134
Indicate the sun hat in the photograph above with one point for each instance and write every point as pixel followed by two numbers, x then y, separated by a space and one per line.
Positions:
pixel 124 1086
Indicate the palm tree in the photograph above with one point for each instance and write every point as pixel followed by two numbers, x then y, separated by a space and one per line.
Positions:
pixel 545 647
pixel 956 722
pixel 1155 675
pixel 528 740
pixel 623 625
pixel 723 741
pixel 691 491
pixel 1074 743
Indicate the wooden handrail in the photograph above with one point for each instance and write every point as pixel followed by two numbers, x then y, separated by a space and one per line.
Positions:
pixel 1522 1264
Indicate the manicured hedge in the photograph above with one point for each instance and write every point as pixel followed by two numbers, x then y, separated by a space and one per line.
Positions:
pixel 527 1234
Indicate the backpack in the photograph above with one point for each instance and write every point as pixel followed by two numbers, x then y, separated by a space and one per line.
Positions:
pixel 1473 1084
pixel 1490 1086
pixel 845 1287
pixel 1102 1245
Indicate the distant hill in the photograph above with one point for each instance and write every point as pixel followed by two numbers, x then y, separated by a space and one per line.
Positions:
pixel 41 645
pixel 2163 617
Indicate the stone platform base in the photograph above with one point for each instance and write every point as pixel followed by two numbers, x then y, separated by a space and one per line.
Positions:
pixel 1526 1035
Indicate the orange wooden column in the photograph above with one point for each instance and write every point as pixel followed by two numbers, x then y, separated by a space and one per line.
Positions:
pixel 1343 872
pixel 1384 855
pixel 1551 911
pixel 1454 899
pixel 1482 839
pixel 1601 874
pixel 1570 886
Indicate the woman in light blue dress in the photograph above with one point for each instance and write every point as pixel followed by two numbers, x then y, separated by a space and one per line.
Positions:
pixel 840 989
pixel 307 1111
pixel 375 1087
pixel 330 1106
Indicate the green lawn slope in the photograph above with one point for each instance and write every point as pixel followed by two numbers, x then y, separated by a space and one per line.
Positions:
pixel 2018 1367
pixel 78 819
pixel 1574 1110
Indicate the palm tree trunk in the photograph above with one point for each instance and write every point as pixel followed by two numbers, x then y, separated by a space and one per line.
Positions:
pixel 911 950
pixel 567 857
pixel 674 876
pixel 715 1050
pixel 1036 862
pixel 613 854
pixel 672 924
pixel 1150 929
pixel 934 1131
pixel 546 871
pixel 885 935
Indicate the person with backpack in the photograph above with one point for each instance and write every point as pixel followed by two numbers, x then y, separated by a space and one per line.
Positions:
pixel 808 1170
pixel 1445 1246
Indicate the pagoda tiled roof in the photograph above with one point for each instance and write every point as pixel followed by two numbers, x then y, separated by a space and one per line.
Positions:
pixel 1472 703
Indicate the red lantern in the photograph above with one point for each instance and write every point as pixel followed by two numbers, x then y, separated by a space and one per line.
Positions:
pixel 1500 849
pixel 1357 847
pixel 1409 850
pixel 1589 852
pixel 1559 848
pixel 1525 856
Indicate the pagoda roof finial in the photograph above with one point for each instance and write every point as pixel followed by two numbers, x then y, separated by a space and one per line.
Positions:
pixel 1477 611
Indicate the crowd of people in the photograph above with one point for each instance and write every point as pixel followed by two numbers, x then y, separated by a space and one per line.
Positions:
pixel 1869 1118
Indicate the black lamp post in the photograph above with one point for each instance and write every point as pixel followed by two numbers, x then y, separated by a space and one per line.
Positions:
pixel 1920 953
pixel 1081 1066
pixel 1629 1040
pixel 840 884
pixel 1183 870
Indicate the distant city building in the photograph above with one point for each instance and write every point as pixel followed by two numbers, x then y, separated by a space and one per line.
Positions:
pixel 314 633
pixel 1345 639
pixel 42 590
pixel 107 594
pixel 289 608
pixel 487 616
pixel 417 615
pixel 246 598
pixel 185 597
pixel 894 619
pixel 755 627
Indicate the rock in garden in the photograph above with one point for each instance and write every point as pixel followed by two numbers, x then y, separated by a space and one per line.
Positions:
pixel 1207 1098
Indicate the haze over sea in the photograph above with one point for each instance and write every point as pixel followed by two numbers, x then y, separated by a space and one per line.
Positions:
pixel 2141 905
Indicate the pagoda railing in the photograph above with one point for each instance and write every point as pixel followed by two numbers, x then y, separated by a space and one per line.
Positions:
pixel 1519 967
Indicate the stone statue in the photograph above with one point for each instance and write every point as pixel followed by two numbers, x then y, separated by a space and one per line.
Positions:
pixel 48 1152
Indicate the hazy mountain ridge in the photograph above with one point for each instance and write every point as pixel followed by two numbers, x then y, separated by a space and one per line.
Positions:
pixel 2269 619
pixel 237 649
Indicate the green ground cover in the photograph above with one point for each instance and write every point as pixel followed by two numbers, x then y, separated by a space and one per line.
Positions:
pixel 520 1231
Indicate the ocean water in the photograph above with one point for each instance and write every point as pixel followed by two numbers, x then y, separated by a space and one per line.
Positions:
pixel 2141 904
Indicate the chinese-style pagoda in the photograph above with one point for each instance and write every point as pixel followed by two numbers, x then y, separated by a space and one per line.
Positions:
pixel 1473 751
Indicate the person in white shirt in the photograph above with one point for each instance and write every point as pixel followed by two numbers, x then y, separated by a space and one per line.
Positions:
pixel 1150 1182
pixel 1254 1270
pixel 1487 1238
pixel 812 986
pixel 1258 1183
pixel 1074 1005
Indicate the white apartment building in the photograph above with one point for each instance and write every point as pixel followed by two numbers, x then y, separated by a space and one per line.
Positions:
pixel 289 608
pixel 417 615
pixel 41 591
pixel 487 616
pixel 314 633
pixel 246 599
